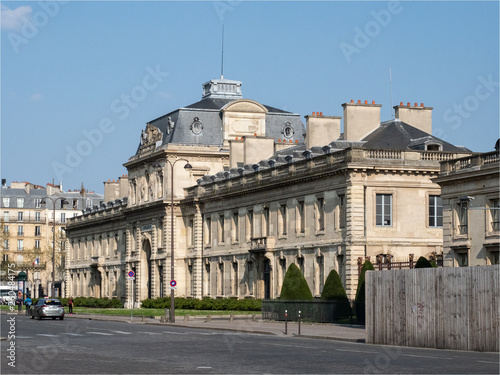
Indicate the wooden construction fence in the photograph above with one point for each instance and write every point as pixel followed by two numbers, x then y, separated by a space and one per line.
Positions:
pixel 444 308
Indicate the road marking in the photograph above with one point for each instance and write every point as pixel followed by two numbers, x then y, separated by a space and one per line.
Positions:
pixel 355 351
pixel 45 334
pixel 203 367
pixel 24 337
pixel 174 333
pixel 496 363
pixel 152 333
pixel 101 333
pixel 72 334
pixel 294 346
pixel 122 332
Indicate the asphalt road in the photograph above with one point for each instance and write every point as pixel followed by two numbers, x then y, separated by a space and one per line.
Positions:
pixel 76 346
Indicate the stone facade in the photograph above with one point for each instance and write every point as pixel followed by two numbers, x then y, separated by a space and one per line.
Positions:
pixel 28 217
pixel 261 193
pixel 471 209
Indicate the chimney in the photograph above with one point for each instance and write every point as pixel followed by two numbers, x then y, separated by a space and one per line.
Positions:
pixel 419 117
pixel 360 119
pixel 4 183
pixel 321 130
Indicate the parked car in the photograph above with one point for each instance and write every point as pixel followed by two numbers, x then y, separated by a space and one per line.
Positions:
pixel 47 308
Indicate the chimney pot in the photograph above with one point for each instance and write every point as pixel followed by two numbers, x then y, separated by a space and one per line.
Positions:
pixel 421 104
pixel 401 103
pixel 314 114
pixel 352 100
pixel 321 113
pixel 366 101
pixel 416 104
pixel 359 101
pixel 279 140
pixel 408 104
pixel 109 180
pixel 296 141
pixel 373 101
pixel 290 141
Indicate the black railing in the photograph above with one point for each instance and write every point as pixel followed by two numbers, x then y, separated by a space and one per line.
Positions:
pixel 317 311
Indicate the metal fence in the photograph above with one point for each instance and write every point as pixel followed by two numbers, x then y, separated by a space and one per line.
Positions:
pixel 311 311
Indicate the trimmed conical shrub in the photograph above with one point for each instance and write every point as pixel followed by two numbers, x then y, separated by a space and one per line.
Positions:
pixel 360 294
pixel 333 288
pixel 295 285
pixel 423 263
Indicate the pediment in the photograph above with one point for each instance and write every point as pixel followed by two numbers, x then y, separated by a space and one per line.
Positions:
pixel 246 106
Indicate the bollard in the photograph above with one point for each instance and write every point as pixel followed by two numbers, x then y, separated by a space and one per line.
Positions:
pixel 167 315
pixel 209 318
pixel 299 323
pixel 186 318
pixel 286 322
pixel 231 317
pixel 254 317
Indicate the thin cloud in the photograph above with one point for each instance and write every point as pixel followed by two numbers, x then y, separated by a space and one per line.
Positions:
pixel 12 19
pixel 36 96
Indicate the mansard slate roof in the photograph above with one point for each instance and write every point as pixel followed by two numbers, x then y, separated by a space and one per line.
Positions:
pixel 208 112
pixel 390 135
pixel 398 135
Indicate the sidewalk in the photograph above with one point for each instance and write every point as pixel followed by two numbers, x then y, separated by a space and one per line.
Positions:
pixel 243 323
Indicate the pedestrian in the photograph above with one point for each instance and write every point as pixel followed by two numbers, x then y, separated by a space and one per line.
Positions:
pixel 28 303
pixel 19 303
pixel 70 305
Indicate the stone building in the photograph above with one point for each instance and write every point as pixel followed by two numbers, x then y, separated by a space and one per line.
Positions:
pixel 262 192
pixel 27 221
pixel 471 194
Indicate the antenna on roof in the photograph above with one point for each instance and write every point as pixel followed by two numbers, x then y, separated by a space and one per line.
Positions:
pixel 222 56
pixel 390 84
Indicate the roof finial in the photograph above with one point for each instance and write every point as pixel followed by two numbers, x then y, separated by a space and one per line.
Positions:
pixel 222 56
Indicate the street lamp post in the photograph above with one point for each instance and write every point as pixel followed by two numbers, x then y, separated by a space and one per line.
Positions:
pixel 172 265
pixel 54 200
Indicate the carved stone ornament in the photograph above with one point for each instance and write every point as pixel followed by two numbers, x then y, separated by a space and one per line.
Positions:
pixel 170 125
pixel 287 130
pixel 196 127
pixel 150 135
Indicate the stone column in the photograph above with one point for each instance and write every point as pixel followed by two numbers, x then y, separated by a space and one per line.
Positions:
pixel 198 247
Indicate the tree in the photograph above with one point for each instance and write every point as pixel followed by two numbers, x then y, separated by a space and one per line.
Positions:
pixel 360 293
pixel 423 263
pixel 333 289
pixel 295 285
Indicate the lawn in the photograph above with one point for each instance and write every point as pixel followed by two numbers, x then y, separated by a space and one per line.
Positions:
pixel 148 312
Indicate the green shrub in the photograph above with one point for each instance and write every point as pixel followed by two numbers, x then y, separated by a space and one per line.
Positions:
pixel 222 304
pixel 295 285
pixel 423 263
pixel 333 288
pixel 360 293
pixel 96 302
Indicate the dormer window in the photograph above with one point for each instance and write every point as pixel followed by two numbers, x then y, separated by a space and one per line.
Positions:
pixel 433 147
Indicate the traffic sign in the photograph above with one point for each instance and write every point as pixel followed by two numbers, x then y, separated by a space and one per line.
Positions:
pixel 173 283
pixel 131 273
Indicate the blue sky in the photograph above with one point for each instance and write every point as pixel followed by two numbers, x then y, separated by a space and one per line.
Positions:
pixel 66 68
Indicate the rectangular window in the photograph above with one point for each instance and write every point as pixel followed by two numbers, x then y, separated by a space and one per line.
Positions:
pixel 6 245
pixel 20 245
pixel 250 224
pixel 75 204
pixel 38 230
pixel 495 214
pixel 38 203
pixel 6 216
pixel 320 214
pixel 342 211
pixel 37 216
pixel 6 229
pixel 463 259
pixel 20 202
pixel 20 216
pixel 6 202
pixel 62 246
pixel 37 244
pixel 282 219
pixel 301 217
pixel 384 210
pixel 208 231
pixel 20 230
pixel 435 211
pixel 89 203
pixel 235 227
pixel 190 232
pixel 221 230
pixel 266 225
pixel 63 217
pixel 462 218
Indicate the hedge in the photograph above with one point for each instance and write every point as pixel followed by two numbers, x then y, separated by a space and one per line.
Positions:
pixel 333 288
pixel 90 302
pixel 229 304
pixel 295 286
pixel 423 263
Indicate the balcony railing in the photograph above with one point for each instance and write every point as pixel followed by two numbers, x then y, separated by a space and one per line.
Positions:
pixel 261 244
